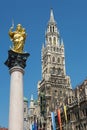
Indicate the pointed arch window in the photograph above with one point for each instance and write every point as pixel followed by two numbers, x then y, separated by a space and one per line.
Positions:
pixel 59 71
pixel 53 70
pixel 53 28
pixel 53 59
pixel 58 60
pixel 50 40
pixel 50 29
pixel 54 40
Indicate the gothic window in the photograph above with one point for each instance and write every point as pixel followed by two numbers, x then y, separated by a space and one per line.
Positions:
pixel 59 71
pixel 53 59
pixel 54 40
pixel 70 100
pixel 50 40
pixel 58 60
pixel 54 48
pixel 53 29
pixel 57 49
pixel 24 109
pixel 50 29
pixel 53 70
pixel 60 92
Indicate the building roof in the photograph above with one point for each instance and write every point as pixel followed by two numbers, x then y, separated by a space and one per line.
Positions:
pixel 25 99
pixel 3 128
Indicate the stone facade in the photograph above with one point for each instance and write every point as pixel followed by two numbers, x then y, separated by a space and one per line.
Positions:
pixel 31 113
pixel 76 109
pixel 26 126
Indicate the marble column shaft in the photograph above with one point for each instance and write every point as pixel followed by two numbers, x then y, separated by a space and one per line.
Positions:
pixel 16 99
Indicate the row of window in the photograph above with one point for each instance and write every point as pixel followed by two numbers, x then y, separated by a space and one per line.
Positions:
pixel 54 60
pixel 56 71
pixel 52 29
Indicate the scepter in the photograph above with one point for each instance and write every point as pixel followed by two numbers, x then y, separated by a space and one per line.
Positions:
pixel 12 24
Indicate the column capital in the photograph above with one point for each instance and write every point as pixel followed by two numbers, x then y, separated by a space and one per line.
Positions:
pixel 16 59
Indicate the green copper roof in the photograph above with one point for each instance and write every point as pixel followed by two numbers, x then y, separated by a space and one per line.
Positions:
pixel 25 99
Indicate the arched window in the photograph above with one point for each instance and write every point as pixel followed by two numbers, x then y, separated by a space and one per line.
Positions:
pixel 54 40
pixel 53 59
pixel 59 71
pixel 50 40
pixel 50 29
pixel 53 28
pixel 52 70
pixel 58 60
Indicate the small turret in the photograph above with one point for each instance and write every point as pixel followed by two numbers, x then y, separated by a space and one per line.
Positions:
pixel 51 17
pixel 31 102
pixel 52 33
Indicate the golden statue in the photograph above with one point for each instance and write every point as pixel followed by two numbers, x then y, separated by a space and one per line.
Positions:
pixel 18 38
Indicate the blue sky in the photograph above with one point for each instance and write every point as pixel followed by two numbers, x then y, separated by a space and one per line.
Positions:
pixel 71 18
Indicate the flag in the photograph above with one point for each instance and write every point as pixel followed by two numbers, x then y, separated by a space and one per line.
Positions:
pixel 59 119
pixel 53 120
pixel 35 126
pixel 30 127
pixel 65 113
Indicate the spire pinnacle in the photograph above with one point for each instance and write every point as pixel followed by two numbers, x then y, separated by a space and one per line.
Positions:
pixel 51 16
pixel 31 97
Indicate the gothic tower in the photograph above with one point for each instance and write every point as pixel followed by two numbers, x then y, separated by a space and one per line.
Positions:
pixel 55 84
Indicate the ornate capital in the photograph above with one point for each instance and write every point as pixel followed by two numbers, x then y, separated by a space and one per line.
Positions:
pixel 16 59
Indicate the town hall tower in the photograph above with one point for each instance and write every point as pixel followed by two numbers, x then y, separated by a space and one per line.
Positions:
pixel 55 84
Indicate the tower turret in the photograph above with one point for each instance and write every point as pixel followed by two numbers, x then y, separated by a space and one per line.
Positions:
pixel 53 57
pixel 52 33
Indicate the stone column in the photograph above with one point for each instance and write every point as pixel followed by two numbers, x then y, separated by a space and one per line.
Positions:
pixel 16 63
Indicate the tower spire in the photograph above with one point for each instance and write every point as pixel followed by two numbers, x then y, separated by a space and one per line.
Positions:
pixel 51 16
